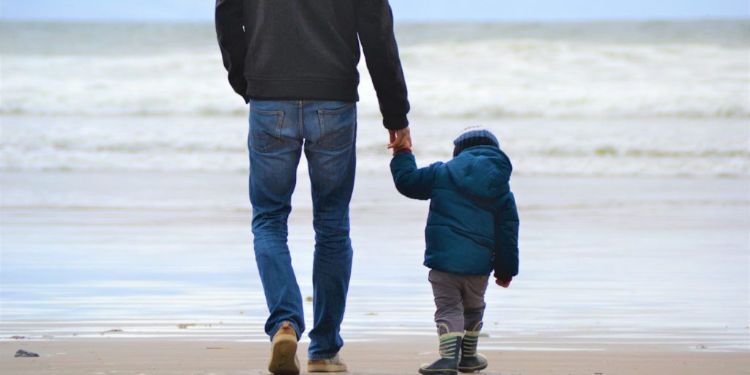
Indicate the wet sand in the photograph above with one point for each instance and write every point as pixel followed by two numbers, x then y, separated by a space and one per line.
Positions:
pixel 395 357
pixel 618 276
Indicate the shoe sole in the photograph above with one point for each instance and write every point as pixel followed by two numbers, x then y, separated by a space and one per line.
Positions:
pixel 284 356
pixel 326 368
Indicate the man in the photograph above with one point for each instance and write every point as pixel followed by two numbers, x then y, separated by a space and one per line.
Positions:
pixel 295 62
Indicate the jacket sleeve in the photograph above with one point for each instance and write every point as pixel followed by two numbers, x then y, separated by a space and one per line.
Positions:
pixel 506 239
pixel 410 181
pixel 375 29
pixel 230 32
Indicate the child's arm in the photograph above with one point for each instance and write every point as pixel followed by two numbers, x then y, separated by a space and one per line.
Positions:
pixel 506 243
pixel 410 181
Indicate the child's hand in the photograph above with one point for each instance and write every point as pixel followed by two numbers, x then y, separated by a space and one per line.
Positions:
pixel 503 281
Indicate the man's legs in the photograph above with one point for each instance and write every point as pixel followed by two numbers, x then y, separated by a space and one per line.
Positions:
pixel 275 142
pixel 330 132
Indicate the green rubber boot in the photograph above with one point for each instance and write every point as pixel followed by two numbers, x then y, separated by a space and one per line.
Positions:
pixel 450 352
pixel 471 361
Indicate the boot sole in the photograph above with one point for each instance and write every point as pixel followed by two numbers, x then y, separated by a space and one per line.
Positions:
pixel 468 370
pixel 438 372
pixel 284 356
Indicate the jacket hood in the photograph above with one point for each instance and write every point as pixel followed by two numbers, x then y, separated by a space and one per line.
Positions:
pixel 481 171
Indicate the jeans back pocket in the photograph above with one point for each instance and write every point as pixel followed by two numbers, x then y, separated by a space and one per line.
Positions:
pixel 337 127
pixel 265 129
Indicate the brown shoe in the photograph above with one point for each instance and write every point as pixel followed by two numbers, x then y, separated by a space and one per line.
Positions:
pixel 284 351
pixel 326 365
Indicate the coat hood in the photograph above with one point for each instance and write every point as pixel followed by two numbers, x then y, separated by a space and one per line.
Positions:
pixel 481 172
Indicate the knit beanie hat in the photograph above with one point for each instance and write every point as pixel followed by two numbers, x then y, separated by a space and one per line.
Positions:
pixel 474 136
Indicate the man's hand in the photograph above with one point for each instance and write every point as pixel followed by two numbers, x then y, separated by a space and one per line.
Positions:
pixel 399 139
pixel 503 281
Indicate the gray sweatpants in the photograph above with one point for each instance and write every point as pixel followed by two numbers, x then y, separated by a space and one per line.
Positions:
pixel 459 300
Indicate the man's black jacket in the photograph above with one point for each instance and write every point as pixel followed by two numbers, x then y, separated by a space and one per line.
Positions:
pixel 309 50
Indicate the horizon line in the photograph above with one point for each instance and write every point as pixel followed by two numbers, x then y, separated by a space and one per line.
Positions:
pixel 406 20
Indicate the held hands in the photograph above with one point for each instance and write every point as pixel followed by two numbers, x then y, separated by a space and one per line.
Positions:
pixel 503 281
pixel 399 140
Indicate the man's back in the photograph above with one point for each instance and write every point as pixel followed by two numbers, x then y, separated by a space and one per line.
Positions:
pixel 309 50
pixel 301 49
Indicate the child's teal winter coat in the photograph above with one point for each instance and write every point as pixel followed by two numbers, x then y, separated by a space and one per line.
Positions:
pixel 472 225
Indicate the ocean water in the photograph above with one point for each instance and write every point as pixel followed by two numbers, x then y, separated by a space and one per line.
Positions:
pixel 615 98
pixel 606 263
pixel 124 206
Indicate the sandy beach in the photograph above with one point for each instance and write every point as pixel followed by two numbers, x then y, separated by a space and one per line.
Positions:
pixel 157 357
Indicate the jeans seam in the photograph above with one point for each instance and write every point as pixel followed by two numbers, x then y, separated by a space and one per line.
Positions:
pixel 301 115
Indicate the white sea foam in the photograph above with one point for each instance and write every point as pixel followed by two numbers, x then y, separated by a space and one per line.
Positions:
pixel 462 71
pixel 632 98
pixel 661 147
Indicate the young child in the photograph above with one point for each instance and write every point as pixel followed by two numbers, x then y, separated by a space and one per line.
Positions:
pixel 472 228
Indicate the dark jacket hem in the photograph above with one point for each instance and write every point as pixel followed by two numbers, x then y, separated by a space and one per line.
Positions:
pixel 268 89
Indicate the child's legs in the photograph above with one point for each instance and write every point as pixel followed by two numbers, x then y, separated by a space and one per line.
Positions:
pixel 473 289
pixel 449 310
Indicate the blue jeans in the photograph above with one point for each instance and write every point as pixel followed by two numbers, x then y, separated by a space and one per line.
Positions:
pixel 279 130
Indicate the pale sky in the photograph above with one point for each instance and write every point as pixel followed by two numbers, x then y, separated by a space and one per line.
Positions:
pixel 419 10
